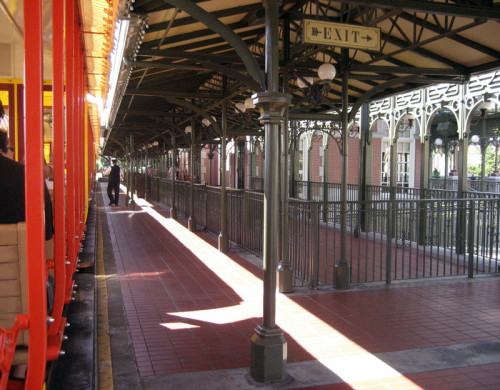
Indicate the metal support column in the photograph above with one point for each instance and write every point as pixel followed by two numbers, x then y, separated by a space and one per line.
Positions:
pixel 326 164
pixel 483 145
pixel 147 179
pixel 173 209
pixel 131 204
pixel 293 163
pixel 462 185
pixel 424 186
pixel 285 274
pixel 127 168
pixel 342 271
pixel 192 219
pixel 364 167
pixel 268 346
pixel 223 240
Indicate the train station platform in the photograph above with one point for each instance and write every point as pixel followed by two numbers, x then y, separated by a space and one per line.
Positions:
pixel 175 313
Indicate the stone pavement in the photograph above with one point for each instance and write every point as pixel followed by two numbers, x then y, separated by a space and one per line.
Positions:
pixel 181 315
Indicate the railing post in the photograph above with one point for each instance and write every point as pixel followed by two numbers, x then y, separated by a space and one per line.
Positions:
pixel 314 245
pixel 470 238
pixel 389 235
pixel 205 194
pixel 173 208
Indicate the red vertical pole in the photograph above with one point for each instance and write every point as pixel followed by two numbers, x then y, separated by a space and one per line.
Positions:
pixel 80 160
pixel 70 145
pixel 82 139
pixel 59 185
pixel 35 217
pixel 76 119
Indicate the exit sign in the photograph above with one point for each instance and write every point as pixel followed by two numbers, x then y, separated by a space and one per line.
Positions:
pixel 341 35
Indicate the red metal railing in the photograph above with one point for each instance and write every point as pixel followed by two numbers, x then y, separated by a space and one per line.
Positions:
pixel 35 248
pixel 73 161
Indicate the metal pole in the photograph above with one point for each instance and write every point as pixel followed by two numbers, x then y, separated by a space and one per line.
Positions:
pixel 424 183
pixel 342 272
pixel 462 185
pixel 192 219
pixel 210 158
pixel 132 174
pixel 60 235
pixel 285 274
pixel 483 144
pixel 268 346
pixel 35 246
pixel 470 238
pixel 223 239
pixel 364 167
pixel 173 209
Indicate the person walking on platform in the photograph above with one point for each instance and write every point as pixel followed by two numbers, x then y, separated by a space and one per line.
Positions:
pixel 114 183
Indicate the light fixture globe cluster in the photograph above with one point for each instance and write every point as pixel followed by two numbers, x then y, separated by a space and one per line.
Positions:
pixel 242 107
pixel 206 122
pixel 316 92
pixel 302 84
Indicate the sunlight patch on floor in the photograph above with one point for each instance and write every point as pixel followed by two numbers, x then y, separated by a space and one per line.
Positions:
pixel 356 366
pixel 178 325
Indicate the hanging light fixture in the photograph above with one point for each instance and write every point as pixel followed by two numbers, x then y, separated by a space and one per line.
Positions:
pixel 240 107
pixel 249 105
pixel 206 122
pixel 475 139
pixel 316 92
pixel 327 72
pixel 188 129
pixel 302 84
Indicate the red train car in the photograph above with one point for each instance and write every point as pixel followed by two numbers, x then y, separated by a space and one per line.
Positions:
pixel 48 120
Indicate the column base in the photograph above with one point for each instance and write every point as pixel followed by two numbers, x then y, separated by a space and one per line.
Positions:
pixel 268 355
pixel 132 205
pixel 173 213
pixel 342 275
pixel 191 224
pixel 285 278
pixel 223 243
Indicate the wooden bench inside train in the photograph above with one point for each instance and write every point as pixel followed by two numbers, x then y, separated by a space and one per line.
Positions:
pixel 13 282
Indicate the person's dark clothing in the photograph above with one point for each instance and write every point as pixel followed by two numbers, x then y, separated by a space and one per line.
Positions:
pixel 114 176
pixel 114 185
pixel 12 193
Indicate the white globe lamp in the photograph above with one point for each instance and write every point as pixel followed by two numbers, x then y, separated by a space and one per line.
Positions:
pixel 327 72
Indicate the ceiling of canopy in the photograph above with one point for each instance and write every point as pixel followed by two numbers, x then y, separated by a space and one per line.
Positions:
pixel 185 69
pixel 97 25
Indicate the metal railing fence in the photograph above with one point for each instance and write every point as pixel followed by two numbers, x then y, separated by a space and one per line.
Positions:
pixel 404 238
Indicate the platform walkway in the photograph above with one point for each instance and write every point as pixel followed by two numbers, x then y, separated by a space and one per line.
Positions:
pixel 181 315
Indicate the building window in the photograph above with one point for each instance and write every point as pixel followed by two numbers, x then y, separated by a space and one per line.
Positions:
pixel 402 165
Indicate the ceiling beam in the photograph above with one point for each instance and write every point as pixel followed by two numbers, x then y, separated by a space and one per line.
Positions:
pixel 218 14
pixel 404 70
pixel 438 8
pixel 181 54
pixel 457 38
pixel 182 95
pixel 226 34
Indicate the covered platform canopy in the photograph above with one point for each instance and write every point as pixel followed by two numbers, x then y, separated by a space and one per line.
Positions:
pixel 184 59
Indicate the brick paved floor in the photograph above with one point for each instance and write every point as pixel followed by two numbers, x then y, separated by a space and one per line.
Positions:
pixel 192 309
